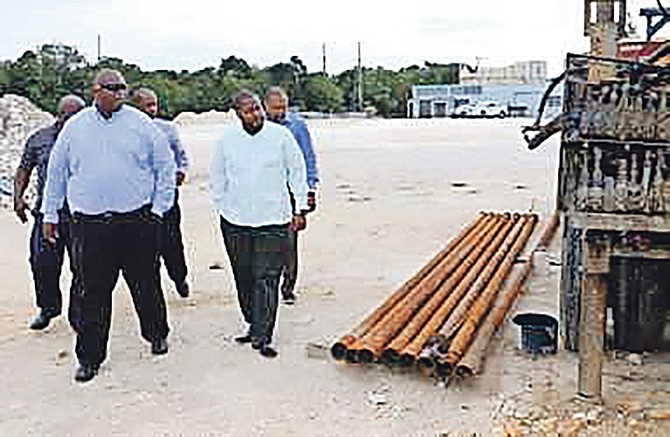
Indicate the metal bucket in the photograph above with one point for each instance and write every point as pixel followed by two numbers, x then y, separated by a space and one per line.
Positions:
pixel 539 333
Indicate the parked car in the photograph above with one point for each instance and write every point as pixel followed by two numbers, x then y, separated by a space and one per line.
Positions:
pixel 466 110
pixel 489 109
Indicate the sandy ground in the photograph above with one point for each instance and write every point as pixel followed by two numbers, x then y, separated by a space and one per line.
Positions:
pixel 387 205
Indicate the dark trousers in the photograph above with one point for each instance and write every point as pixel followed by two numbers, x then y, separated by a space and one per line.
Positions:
pixel 103 246
pixel 290 270
pixel 171 246
pixel 46 262
pixel 256 256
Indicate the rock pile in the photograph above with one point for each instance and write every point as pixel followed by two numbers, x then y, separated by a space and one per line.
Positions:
pixel 19 117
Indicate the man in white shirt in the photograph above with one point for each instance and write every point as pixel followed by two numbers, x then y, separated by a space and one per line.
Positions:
pixel 254 165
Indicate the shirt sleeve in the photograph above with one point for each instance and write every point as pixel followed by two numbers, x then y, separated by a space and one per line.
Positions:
pixel 31 153
pixel 295 171
pixel 305 142
pixel 164 170
pixel 57 173
pixel 181 160
pixel 217 174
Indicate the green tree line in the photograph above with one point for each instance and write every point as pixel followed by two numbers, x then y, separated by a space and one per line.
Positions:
pixel 51 71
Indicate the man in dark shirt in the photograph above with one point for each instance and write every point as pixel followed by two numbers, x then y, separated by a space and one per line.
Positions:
pixel 45 260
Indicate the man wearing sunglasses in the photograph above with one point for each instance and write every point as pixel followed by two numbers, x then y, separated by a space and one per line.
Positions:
pixel 46 261
pixel 171 245
pixel 276 105
pixel 254 165
pixel 117 171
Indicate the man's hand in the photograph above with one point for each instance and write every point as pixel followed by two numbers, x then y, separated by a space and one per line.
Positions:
pixel 20 208
pixel 49 233
pixel 298 223
pixel 311 201
pixel 181 177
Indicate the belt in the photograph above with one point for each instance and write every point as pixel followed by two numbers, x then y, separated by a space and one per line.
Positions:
pixel 111 216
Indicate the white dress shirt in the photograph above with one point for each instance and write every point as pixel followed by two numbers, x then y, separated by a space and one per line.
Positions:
pixel 251 175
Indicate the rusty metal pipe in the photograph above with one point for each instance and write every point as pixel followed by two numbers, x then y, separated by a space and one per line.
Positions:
pixel 455 306
pixel 417 305
pixel 459 315
pixel 548 232
pixel 338 350
pixel 392 322
pixel 363 353
pixel 464 272
pixel 429 319
pixel 473 359
pixel 426 361
pixel 465 335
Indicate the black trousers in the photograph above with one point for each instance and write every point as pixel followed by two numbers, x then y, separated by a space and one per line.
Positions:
pixel 46 263
pixel 103 246
pixel 256 256
pixel 290 270
pixel 171 245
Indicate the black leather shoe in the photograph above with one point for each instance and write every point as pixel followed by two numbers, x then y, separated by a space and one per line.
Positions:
pixel 159 347
pixel 86 372
pixel 243 339
pixel 42 320
pixel 289 299
pixel 183 289
pixel 268 351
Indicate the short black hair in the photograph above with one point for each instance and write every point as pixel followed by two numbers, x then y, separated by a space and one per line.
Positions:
pixel 243 95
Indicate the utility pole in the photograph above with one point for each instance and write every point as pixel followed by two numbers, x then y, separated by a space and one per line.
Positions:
pixel 359 83
pixel 99 47
pixel 323 50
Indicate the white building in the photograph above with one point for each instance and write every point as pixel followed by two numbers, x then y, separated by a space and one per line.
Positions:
pixel 521 100
pixel 524 72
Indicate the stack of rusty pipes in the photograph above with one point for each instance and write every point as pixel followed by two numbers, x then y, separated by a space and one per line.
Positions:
pixel 443 294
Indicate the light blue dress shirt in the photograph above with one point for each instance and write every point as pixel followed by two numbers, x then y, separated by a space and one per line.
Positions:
pixel 170 131
pixel 109 165
pixel 298 128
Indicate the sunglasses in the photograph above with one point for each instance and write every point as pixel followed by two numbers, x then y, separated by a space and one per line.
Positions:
pixel 114 87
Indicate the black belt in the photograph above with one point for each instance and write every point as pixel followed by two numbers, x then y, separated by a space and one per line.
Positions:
pixel 112 216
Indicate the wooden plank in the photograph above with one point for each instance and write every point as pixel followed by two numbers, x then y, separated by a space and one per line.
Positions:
pixel 621 222
pixel 592 336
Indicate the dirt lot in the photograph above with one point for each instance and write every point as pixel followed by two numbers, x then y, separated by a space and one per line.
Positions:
pixel 387 205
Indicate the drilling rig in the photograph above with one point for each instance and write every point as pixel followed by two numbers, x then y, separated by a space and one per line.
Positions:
pixel 613 195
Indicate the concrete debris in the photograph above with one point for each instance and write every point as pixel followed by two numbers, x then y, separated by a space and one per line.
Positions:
pixel 19 117
pixel 634 359
pixel 377 398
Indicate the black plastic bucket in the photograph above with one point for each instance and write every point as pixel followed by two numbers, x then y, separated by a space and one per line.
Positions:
pixel 539 333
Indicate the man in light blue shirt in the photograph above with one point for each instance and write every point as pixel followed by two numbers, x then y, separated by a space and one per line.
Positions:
pixel 171 246
pixel 116 169
pixel 255 168
pixel 276 105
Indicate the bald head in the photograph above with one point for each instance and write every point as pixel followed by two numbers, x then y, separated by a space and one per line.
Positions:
pixel 108 75
pixel 68 106
pixel 276 103
pixel 145 100
pixel 109 91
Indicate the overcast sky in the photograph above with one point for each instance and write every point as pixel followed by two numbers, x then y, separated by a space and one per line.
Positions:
pixel 192 34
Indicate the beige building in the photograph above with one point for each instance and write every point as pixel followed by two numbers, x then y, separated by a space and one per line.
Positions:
pixel 525 72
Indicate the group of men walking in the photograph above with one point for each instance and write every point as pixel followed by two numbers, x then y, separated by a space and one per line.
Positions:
pixel 108 178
